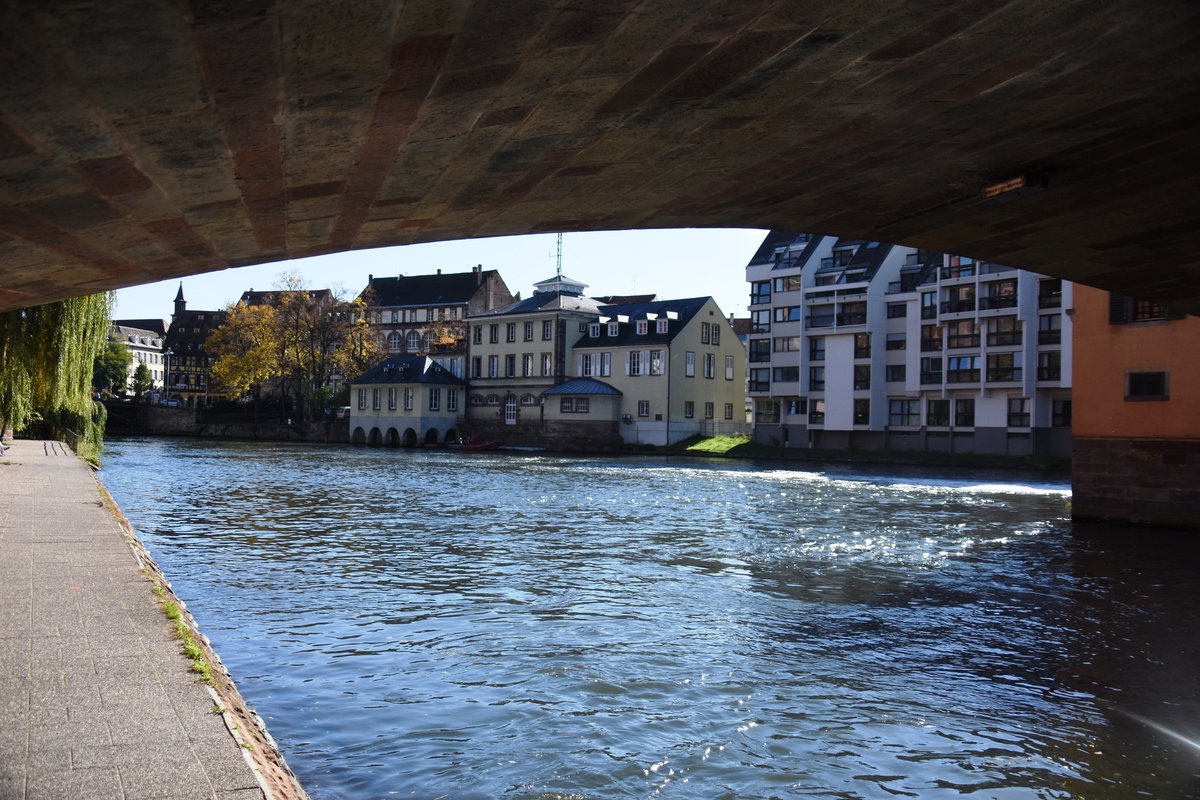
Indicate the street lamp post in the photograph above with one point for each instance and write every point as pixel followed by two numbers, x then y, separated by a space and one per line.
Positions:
pixel 167 373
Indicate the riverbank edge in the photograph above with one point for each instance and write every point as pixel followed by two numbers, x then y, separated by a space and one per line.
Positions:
pixel 259 749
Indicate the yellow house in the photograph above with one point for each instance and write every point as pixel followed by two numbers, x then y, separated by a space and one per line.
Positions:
pixel 678 365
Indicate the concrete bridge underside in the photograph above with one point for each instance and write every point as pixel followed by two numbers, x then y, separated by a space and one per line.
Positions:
pixel 154 139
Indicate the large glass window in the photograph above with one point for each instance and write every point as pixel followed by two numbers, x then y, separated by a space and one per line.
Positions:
pixel 962 369
pixel 964 412
pixel 862 345
pixel 862 411
pixel 962 333
pixel 760 321
pixel 905 413
pixel 816 348
pixel 895 373
pixel 1004 332
pixel 759 351
pixel 937 413
pixel 862 376
pixel 1004 367
pixel 1050 365
pixel 759 380
pixel 760 292
pixel 1018 412
pixel 1146 386
pixel 1050 329
pixel 816 379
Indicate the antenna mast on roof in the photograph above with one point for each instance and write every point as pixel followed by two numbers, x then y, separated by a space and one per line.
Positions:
pixel 560 256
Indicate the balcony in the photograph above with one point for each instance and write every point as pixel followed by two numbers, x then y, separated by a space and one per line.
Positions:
pixel 823 321
pixel 931 345
pixel 817 297
pixel 960 342
pixel 991 268
pixel 929 312
pixel 931 377
pixel 852 318
pixel 993 302
pixel 758 385
pixel 1050 300
pixel 1050 337
pixel 1004 374
pixel 956 306
pixel 1005 339
pixel 964 271
pixel 962 376
pixel 1049 373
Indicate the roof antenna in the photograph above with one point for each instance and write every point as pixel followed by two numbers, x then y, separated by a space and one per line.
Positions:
pixel 560 256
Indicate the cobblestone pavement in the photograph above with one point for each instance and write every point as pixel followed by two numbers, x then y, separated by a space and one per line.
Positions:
pixel 96 700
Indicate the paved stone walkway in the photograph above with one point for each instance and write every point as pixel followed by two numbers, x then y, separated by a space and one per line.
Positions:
pixel 96 700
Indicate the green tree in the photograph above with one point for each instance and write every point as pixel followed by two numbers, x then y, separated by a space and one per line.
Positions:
pixel 46 359
pixel 110 370
pixel 143 380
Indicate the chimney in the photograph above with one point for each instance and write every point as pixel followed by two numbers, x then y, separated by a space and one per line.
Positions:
pixel 439 270
pixel 370 278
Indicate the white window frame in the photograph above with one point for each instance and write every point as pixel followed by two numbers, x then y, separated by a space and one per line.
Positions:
pixel 435 398
pixel 689 364
pixel 728 368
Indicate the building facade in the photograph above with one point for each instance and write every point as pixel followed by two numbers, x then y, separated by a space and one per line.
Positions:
pixel 561 370
pixel 866 345
pixel 146 347
pixel 187 367
pixel 678 365
pixel 426 314
pixel 1137 423
pixel 405 401
pixel 517 352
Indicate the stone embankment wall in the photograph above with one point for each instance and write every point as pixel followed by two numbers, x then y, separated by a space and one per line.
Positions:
pixel 586 437
pixel 145 420
pixel 1140 481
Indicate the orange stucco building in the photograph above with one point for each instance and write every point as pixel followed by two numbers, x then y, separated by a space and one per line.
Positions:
pixel 1136 452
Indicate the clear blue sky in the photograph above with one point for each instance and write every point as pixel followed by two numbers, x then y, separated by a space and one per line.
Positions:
pixel 670 263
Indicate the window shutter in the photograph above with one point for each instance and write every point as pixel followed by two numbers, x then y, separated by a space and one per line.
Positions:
pixel 579 370
pixel 1120 308
pixel 626 362
pixel 645 362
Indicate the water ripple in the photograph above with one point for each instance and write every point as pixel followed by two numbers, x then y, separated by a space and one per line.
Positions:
pixel 476 625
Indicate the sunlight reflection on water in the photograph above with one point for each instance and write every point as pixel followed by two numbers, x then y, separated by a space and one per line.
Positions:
pixel 480 625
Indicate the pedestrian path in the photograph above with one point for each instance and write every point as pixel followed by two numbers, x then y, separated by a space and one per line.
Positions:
pixel 96 699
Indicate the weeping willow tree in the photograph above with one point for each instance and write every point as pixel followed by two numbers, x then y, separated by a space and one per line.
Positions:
pixel 46 358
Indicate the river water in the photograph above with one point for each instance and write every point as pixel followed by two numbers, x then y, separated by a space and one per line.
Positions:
pixel 477 625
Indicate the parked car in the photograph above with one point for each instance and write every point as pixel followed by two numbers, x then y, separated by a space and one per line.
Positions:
pixel 343 412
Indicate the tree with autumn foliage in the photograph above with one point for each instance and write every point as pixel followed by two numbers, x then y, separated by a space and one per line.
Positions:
pixel 293 341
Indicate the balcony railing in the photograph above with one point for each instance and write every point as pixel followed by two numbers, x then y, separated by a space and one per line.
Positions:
pixel 931 377
pixel 931 345
pixel 965 340
pixel 1004 339
pixel 962 376
pixel 1002 374
pixel 988 303
pixel 1051 300
pixel 1050 337
pixel 991 268
pixel 957 306
pixel 820 322
pixel 852 318
pixel 1049 373
pixel 929 312
pixel 758 386
pixel 967 271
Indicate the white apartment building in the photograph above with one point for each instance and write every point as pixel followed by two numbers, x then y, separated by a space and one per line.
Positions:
pixel 866 345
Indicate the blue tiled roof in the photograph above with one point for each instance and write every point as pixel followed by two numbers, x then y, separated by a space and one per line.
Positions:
pixel 684 309
pixel 583 386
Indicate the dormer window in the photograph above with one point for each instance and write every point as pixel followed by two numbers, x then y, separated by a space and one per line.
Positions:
pixel 594 330
pixel 642 327
pixel 660 326
pixel 614 328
